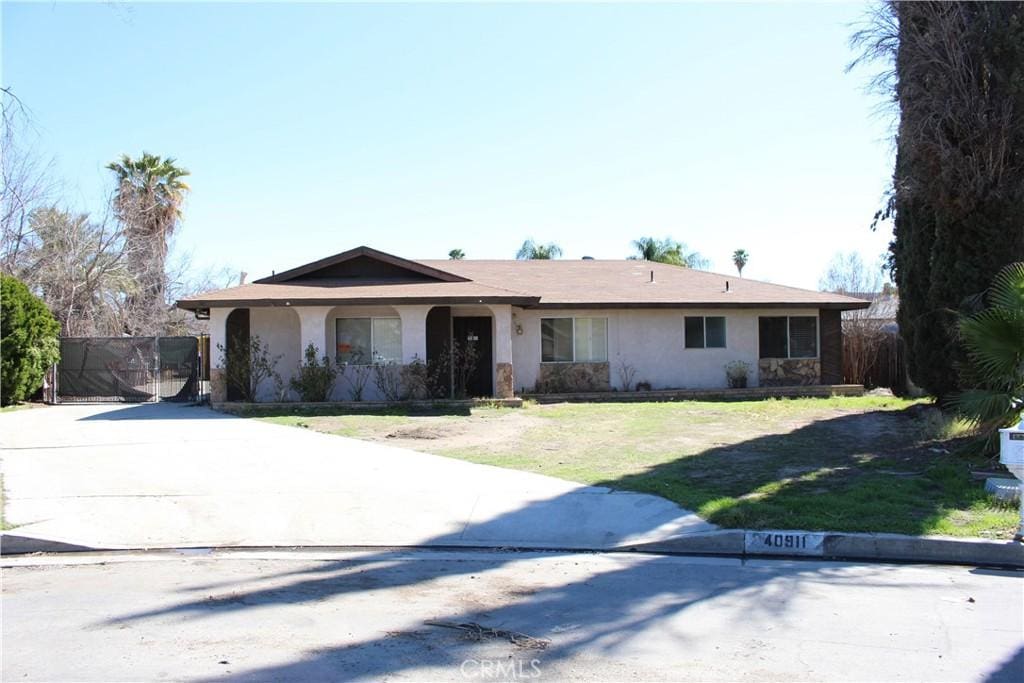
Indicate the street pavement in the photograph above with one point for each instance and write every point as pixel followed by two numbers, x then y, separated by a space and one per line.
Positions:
pixel 170 475
pixel 323 616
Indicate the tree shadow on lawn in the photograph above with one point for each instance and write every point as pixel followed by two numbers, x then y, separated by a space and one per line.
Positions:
pixel 872 471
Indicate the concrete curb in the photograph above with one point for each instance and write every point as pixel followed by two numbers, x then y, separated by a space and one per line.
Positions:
pixel 874 547
pixel 739 543
pixel 13 544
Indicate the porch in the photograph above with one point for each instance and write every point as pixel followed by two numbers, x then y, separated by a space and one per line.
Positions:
pixel 357 337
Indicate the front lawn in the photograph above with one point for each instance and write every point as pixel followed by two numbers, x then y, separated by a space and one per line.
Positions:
pixel 841 464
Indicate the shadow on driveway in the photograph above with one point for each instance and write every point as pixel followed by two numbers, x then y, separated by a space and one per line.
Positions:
pixel 157 411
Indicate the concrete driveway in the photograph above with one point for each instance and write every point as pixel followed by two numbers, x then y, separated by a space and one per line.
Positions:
pixel 169 475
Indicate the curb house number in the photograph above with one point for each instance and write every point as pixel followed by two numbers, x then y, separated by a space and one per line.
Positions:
pixel 785 543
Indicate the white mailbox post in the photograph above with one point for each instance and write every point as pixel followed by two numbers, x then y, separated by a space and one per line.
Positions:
pixel 1011 454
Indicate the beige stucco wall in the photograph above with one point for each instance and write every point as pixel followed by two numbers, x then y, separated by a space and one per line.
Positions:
pixel 652 341
pixel 649 340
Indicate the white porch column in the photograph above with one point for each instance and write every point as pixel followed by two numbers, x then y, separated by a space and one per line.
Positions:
pixel 414 332
pixel 218 328
pixel 504 381
pixel 312 329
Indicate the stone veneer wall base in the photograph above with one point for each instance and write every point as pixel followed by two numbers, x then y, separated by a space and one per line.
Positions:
pixel 788 372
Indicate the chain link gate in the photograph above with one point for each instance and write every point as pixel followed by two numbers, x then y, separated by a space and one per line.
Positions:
pixel 127 369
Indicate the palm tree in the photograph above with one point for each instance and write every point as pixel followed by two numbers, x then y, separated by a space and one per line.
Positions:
pixel 994 339
pixel 150 193
pixel 456 254
pixel 534 251
pixel 740 258
pixel 667 251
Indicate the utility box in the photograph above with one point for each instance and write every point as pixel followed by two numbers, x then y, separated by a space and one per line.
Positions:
pixel 1011 455
pixel 1011 449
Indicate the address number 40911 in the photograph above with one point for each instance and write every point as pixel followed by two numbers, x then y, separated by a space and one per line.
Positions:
pixel 785 542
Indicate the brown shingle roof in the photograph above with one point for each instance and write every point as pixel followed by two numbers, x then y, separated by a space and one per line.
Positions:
pixel 548 284
pixel 627 282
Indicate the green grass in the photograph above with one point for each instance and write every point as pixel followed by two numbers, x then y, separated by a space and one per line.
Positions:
pixel 844 464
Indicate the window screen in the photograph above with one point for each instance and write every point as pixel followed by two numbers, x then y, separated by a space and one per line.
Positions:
pixel 803 337
pixel 387 340
pixel 556 340
pixel 694 332
pixel 714 330
pixel 353 336
pixel 362 341
pixel 772 336
pixel 591 340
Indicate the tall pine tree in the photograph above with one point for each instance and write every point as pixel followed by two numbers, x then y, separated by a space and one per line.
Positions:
pixel 958 185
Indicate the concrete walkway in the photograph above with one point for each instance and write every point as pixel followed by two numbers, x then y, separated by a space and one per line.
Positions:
pixel 167 475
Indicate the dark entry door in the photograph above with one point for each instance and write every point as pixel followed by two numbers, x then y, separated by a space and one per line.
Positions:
pixel 476 334
pixel 237 341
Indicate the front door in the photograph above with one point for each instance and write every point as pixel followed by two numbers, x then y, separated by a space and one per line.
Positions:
pixel 237 341
pixel 476 377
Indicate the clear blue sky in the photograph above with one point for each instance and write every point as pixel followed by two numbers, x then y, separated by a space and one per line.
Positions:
pixel 415 129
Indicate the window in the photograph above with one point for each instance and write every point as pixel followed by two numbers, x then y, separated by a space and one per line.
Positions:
pixel 788 337
pixel 580 340
pixel 591 340
pixel 702 332
pixel 803 337
pixel 773 335
pixel 363 341
pixel 556 340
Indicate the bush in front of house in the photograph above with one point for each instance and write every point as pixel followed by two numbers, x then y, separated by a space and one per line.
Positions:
pixel 416 380
pixel 736 373
pixel 388 378
pixel 29 341
pixel 247 365
pixel 315 379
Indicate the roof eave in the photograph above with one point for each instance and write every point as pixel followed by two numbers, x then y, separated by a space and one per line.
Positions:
pixel 194 304
pixel 831 305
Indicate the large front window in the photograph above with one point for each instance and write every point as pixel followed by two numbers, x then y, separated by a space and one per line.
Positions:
pixel 788 336
pixel 579 340
pixel 365 341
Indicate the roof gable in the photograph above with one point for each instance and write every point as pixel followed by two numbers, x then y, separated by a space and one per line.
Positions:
pixel 364 264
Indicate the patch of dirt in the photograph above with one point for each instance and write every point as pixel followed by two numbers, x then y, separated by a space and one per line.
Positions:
pixel 491 433
pixel 425 432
